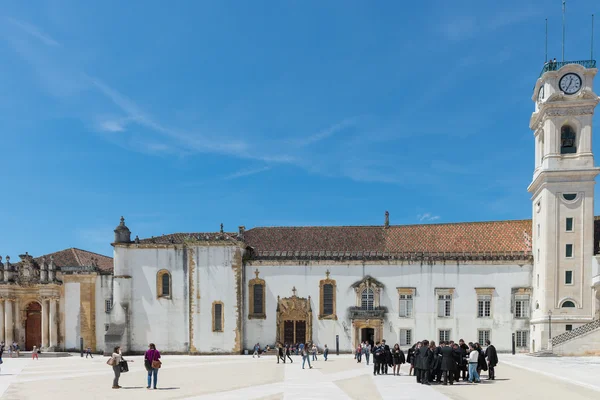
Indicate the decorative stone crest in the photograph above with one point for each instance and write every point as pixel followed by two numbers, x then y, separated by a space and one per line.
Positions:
pixel 29 271
pixel 570 111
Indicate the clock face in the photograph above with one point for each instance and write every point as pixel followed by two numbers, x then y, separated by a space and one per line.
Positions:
pixel 541 93
pixel 570 83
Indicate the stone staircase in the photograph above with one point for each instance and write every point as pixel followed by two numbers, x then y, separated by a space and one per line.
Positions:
pixel 584 340
pixel 582 330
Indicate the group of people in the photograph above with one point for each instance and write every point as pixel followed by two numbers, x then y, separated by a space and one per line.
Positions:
pixel 383 357
pixel 307 350
pixel 448 360
pixel 152 364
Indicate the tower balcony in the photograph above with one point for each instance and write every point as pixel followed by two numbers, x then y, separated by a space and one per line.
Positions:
pixel 361 313
pixel 555 66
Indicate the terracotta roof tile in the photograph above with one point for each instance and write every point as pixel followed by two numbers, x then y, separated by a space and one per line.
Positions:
pixel 182 237
pixel 78 258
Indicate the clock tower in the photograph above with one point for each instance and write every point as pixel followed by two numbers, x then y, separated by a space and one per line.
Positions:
pixel 562 192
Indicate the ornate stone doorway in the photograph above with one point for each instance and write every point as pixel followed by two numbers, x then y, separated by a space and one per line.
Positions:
pixel 294 319
pixel 33 326
pixel 370 330
pixel 367 335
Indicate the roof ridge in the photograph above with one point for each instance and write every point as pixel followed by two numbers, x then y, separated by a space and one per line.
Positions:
pixel 75 255
pixel 91 252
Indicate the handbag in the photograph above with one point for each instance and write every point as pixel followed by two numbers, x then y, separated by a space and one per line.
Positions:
pixel 156 364
pixel 123 366
pixel 111 361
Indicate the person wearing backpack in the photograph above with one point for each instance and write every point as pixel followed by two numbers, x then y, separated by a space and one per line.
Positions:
pixel 152 364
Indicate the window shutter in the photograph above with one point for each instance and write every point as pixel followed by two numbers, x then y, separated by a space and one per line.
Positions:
pixel 403 308
pixel 441 308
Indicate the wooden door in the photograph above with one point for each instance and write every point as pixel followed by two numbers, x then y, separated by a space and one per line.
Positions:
pixel 288 332
pixel 300 331
pixel 33 326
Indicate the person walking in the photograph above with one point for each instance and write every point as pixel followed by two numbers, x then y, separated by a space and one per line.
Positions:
pixel 492 356
pixel 115 362
pixel 152 364
pixel 367 351
pixel 377 358
pixel 287 353
pixel 34 353
pixel 88 352
pixel 280 355
pixel 314 351
pixel 473 361
pixel 359 353
pixel 325 352
pixel 448 364
pixel 387 357
pixel 304 354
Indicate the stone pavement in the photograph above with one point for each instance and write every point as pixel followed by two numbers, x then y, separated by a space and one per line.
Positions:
pixel 244 377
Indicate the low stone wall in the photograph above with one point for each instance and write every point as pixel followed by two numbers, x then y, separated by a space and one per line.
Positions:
pixel 587 344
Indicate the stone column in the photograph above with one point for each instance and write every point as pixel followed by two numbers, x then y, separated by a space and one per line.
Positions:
pixel 53 323
pixel 45 323
pixel 8 321
pixel 1 320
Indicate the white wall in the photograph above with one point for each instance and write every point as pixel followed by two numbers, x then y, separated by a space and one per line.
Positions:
pixel 72 315
pixel 425 278
pixel 215 281
pixel 165 322
pixel 103 292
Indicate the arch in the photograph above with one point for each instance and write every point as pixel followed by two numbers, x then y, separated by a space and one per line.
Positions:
pixel 367 298
pixel 327 306
pixel 33 325
pixel 567 304
pixel 164 284
pixel 568 140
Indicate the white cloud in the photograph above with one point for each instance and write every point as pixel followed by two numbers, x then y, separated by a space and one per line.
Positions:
pixel 246 172
pixel 33 31
pixel 112 125
pixel 332 130
pixel 427 217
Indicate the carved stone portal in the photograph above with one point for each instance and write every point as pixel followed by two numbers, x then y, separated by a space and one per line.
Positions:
pixel 294 319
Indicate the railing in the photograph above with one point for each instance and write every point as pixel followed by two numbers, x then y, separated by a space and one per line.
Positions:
pixel 582 330
pixel 357 312
pixel 555 66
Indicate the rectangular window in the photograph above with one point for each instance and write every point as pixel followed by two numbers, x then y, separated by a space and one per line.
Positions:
pixel 444 305
pixel 406 305
pixel 484 306
pixel 483 335
pixel 405 337
pixel 522 306
pixel 569 225
pixel 328 299
pixel 444 335
pixel 522 339
pixel 569 251
pixel 217 317
pixel 568 277
pixel 569 327
pixel 258 299
pixel 107 305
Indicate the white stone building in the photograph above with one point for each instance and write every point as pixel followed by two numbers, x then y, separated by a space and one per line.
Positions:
pixel 509 281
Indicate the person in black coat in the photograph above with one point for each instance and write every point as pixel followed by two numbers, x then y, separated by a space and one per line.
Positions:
pixel 387 357
pixel 436 363
pixel 425 358
pixel 410 358
pixel 449 365
pixel 378 358
pixel 417 362
pixel 463 365
pixel 492 357
pixel 397 359
pixel 481 363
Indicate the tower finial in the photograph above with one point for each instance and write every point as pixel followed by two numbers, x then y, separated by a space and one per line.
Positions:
pixel 221 227
pixel 387 219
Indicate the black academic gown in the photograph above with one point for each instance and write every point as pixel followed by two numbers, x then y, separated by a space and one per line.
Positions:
pixel 448 359
pixel 492 355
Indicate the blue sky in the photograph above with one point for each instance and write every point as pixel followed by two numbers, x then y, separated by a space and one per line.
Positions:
pixel 265 113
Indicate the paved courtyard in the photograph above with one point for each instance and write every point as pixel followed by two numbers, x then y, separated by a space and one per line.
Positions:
pixel 242 377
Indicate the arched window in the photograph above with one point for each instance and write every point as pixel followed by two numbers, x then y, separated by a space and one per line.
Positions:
pixel 366 299
pixel 163 284
pixel 568 304
pixel 327 301
pixel 567 140
pixel 256 301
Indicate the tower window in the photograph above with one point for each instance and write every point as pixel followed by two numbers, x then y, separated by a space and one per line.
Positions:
pixel 569 196
pixel 567 140
pixel 569 225
pixel 569 250
pixel 163 284
pixel 568 304
pixel 568 277
pixel 568 327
